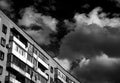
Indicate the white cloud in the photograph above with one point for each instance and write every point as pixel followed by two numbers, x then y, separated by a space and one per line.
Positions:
pixel 64 63
pixel 5 5
pixel 30 17
pixel 84 62
pixel 106 60
pixel 46 25
pixel 95 18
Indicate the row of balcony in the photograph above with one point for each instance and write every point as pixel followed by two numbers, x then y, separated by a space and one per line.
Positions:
pixel 62 77
pixel 22 55
pixel 32 77
pixel 26 48
pixel 13 80
pixel 10 79
pixel 18 69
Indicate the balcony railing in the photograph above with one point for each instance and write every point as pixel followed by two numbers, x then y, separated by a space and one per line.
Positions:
pixel 41 56
pixel 15 39
pixel 13 80
pixel 43 63
pixel 42 73
pixel 60 75
pixel 18 69
pixel 17 53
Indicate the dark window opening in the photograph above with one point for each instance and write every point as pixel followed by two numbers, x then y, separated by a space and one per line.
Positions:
pixel 3 42
pixel 4 29
pixel 27 81
pixel 51 80
pixel 19 63
pixel 41 79
pixel 20 78
pixel 58 81
pixel 51 69
pixel 28 70
pixel 1 55
pixel 42 68
pixel 1 70
pixel 15 33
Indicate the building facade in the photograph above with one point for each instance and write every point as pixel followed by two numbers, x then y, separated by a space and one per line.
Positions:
pixel 22 60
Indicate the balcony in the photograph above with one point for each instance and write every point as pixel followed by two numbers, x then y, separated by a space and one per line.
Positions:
pixel 43 63
pixel 60 75
pixel 15 39
pixel 42 73
pixel 12 66
pixel 13 80
pixel 18 52
pixel 61 79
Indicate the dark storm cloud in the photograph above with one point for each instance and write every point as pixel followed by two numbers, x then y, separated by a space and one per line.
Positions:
pixel 92 35
pixel 91 40
pixel 102 69
pixel 93 45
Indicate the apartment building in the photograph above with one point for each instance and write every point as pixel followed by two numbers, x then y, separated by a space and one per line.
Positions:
pixel 22 60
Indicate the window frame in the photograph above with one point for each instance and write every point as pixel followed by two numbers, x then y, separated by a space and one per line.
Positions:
pixel 51 69
pixel 1 70
pixel 3 41
pixel 4 29
pixel 2 54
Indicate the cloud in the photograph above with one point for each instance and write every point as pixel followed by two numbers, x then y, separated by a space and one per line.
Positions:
pixel 30 16
pixel 37 25
pixel 95 18
pixel 91 35
pixel 107 61
pixel 64 63
pixel 40 36
pixel 100 69
pixel 6 5
pixel 96 38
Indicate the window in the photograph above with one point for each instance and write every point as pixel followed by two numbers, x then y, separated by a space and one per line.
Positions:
pixel 35 51
pixel 20 50
pixel 28 70
pixel 4 29
pixel 41 56
pixel 51 80
pixel 41 67
pixel 43 80
pixel 19 63
pixel 3 41
pixel 35 62
pixel 1 55
pixel 1 70
pixel 30 49
pixel 27 81
pixel 51 69
pixel 29 57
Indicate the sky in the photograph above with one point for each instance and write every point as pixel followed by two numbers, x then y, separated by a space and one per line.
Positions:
pixel 81 35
